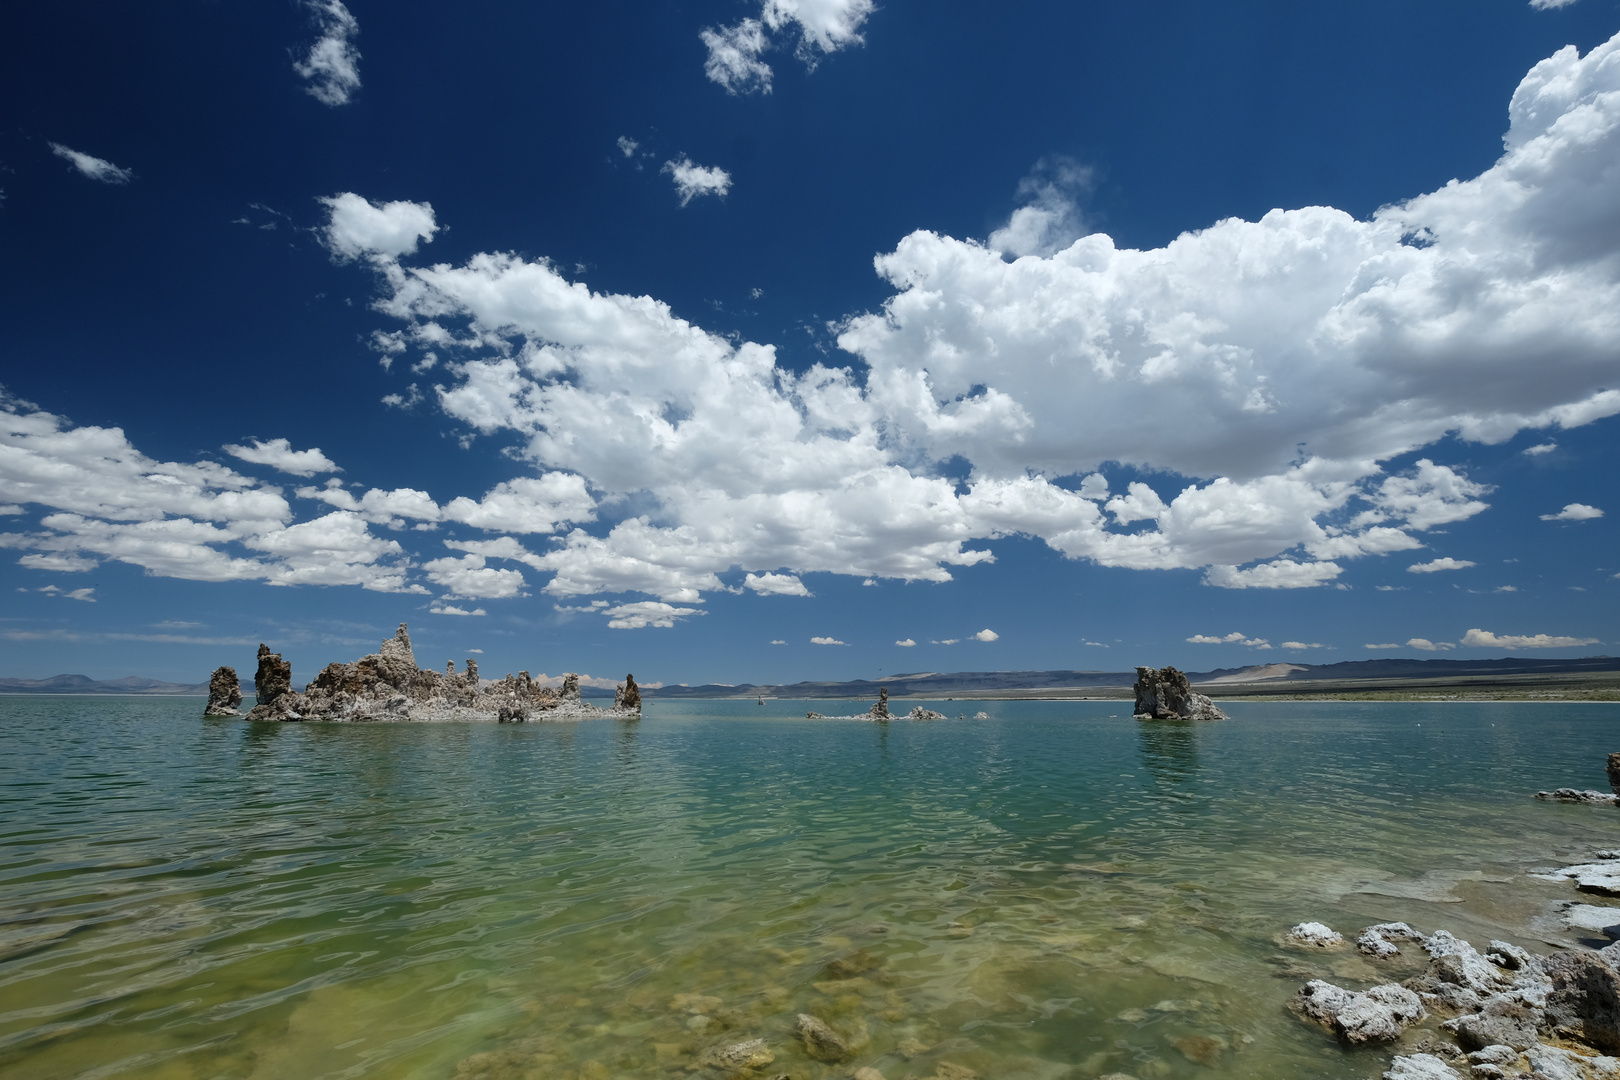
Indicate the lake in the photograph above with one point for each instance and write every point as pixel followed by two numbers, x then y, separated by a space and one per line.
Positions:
pixel 1056 891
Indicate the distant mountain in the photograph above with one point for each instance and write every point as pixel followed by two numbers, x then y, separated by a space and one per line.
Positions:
pixel 83 684
pixel 934 684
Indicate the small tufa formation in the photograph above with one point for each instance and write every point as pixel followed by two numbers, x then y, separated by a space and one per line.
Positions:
pixel 387 685
pixel 1614 772
pixel 1165 695
pixel 880 711
pixel 627 698
pixel 224 693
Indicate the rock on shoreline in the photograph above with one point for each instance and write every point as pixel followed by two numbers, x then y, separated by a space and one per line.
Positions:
pixel 387 685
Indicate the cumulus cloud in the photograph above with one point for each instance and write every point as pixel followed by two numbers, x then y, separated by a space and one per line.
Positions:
pixel 1384 647
pixel 1437 565
pixel 470 578
pixel 644 614
pixel 825 641
pixel 1316 351
pixel 906 643
pixel 451 609
pixel 1302 645
pixel 628 146
pixel 357 226
pixel 93 167
pixel 332 65
pixel 1574 512
pixel 1234 638
pixel 692 180
pixel 1047 219
pixel 823 26
pixel 1539 449
pixel 524 505
pixel 279 455
pixel 987 635
pixel 1484 639
pixel 775 585
pixel 1429 646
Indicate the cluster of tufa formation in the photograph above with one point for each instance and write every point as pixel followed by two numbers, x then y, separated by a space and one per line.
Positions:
pixel 387 685
pixel 1165 695
pixel 880 712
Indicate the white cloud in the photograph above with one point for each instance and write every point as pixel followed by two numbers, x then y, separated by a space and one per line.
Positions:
pixel 1280 574
pixel 1574 512
pixel 1437 565
pixel 644 614
pixel 906 643
pixel 1550 5
pixel 332 65
pixel 692 180
pixel 823 26
pixel 775 585
pixel 469 578
pixel 451 609
pixel 825 641
pixel 1539 449
pixel 1234 638
pixel 358 226
pixel 986 635
pixel 1311 349
pixel 527 505
pixel 946 641
pixel 279 455
pixel 1383 647
pixel 1484 639
pixel 93 167
pixel 778 641
pixel 734 61
pixel 1302 645
pixel 1429 646
pixel 628 146
pixel 1048 220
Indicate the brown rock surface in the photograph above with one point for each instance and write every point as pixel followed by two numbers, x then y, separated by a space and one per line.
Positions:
pixel 1164 694
pixel 224 693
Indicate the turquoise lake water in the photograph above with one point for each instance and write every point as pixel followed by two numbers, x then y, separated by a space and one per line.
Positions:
pixel 1057 891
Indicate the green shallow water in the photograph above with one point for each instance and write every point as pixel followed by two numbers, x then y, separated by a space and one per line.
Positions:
pixel 1057 891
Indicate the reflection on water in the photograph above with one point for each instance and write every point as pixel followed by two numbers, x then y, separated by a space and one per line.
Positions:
pixel 1048 893
pixel 1170 749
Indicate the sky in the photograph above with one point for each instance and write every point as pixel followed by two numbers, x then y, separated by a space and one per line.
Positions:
pixel 767 340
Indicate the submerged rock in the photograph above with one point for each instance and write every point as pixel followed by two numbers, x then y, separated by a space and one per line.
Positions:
pixel 1165 695
pixel 751 1054
pixel 1602 878
pixel 387 685
pixel 820 1041
pixel 224 693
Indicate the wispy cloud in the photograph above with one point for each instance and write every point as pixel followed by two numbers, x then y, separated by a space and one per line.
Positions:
pixel 1447 563
pixel 93 167
pixel 332 65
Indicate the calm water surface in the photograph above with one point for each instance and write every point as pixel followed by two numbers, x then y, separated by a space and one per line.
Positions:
pixel 1057 891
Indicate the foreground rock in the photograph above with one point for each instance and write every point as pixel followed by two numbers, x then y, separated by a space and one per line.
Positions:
pixel 387 685
pixel 1574 795
pixel 1165 695
pixel 1376 1015
pixel 224 693
pixel 1513 1014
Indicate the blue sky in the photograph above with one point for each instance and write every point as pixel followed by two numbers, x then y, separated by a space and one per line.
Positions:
pixel 673 337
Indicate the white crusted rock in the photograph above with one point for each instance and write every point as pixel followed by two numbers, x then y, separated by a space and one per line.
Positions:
pixel 1420 1067
pixel 1315 935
